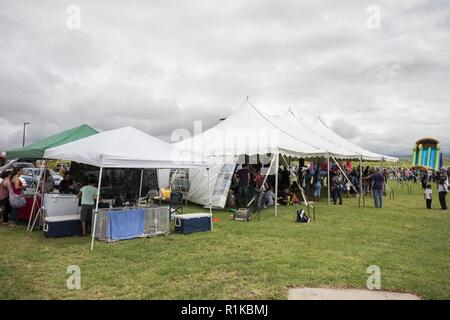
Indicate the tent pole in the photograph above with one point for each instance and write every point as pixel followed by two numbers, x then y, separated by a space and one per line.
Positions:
pixel 345 176
pixel 264 181
pixel 42 192
pixel 35 196
pixel 209 193
pixel 302 191
pixel 360 180
pixel 328 179
pixel 140 185
pixel 277 165
pixel 96 208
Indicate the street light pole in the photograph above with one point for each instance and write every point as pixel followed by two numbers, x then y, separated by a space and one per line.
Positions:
pixel 23 141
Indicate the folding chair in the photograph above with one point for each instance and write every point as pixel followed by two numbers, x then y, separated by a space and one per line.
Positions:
pixel 176 203
pixel 148 199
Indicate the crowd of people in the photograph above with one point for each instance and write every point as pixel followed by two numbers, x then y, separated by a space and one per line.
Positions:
pixel 299 183
pixel 249 185
pixel 296 183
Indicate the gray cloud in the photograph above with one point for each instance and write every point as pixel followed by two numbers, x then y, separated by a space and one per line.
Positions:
pixel 160 65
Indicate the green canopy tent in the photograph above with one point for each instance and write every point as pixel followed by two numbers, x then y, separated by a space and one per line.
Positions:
pixel 36 150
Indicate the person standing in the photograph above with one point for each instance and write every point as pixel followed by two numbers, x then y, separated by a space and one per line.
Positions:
pixel 259 179
pixel 378 183
pixel 443 188
pixel 317 185
pixel 66 185
pixel 336 187
pixel 4 196
pixel 424 180
pixel 243 176
pixel 88 195
pixel 308 183
pixel 49 181
pixel 428 195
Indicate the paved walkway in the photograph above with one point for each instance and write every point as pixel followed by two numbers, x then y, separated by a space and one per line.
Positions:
pixel 346 294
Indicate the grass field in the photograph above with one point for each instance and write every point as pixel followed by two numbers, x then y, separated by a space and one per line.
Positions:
pixel 239 260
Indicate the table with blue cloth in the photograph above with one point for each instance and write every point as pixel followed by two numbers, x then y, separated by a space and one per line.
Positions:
pixel 125 224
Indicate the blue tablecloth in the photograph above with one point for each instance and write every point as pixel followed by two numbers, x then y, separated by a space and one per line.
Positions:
pixel 125 224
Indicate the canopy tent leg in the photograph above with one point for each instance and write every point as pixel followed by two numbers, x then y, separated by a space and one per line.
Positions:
pixel 140 185
pixel 209 198
pixel 42 208
pixel 277 165
pixel 209 193
pixel 35 196
pixel 96 208
pixel 360 180
pixel 328 179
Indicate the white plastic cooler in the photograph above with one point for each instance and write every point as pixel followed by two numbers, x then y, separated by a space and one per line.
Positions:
pixel 60 204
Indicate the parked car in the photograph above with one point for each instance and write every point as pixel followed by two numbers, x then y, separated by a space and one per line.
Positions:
pixel 31 176
pixel 13 164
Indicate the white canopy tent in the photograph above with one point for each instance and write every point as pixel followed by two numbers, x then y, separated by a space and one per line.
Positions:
pixel 249 131
pixel 124 148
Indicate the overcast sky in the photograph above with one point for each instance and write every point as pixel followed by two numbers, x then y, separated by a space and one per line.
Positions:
pixel 160 65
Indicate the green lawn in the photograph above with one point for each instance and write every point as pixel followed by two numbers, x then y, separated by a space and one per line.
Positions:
pixel 239 260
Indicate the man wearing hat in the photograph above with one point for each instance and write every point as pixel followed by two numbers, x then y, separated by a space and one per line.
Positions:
pixel 443 187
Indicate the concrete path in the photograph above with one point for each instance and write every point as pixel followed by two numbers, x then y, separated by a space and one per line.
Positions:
pixel 346 294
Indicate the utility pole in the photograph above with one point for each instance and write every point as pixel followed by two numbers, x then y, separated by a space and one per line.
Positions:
pixel 23 141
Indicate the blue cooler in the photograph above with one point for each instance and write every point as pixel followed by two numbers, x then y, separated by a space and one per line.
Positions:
pixel 193 222
pixel 62 226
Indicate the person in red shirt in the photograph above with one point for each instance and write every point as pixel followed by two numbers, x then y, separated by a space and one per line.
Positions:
pixel 259 179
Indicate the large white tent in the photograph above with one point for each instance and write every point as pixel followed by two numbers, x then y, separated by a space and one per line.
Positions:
pixel 250 131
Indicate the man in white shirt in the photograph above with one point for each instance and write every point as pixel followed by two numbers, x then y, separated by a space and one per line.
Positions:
pixel 443 188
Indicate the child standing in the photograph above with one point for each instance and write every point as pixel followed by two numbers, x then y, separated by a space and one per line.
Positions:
pixel 428 195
